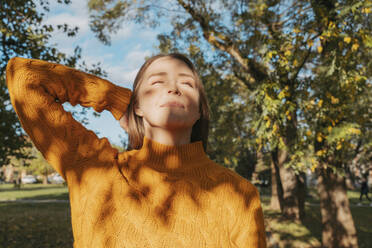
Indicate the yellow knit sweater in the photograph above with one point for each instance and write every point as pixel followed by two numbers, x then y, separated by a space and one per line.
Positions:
pixel 158 196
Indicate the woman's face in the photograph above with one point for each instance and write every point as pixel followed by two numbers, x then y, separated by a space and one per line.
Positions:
pixel 168 96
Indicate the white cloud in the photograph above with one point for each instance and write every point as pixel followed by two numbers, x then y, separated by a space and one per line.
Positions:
pixel 137 57
pixel 121 76
pixel 122 34
pixel 72 20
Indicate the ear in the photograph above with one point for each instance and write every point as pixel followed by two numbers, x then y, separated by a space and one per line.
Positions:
pixel 138 111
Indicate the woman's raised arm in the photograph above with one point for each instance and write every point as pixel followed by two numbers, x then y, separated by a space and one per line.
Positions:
pixel 37 90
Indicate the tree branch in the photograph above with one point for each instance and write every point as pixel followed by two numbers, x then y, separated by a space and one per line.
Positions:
pixel 220 41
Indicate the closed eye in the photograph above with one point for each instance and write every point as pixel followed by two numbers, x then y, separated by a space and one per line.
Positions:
pixel 156 82
pixel 189 84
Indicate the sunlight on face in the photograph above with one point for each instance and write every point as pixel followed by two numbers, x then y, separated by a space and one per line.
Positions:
pixel 168 96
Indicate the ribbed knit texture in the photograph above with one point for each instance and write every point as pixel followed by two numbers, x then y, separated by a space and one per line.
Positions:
pixel 158 196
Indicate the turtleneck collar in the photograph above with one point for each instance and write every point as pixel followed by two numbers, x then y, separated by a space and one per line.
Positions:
pixel 169 156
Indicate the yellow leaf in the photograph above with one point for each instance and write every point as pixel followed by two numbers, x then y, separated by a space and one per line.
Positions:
pixel 310 43
pixel 319 137
pixel 354 47
pixel 334 100
pixel 288 53
pixel 320 103
pixel 329 129
pixel 281 95
pixel 270 54
pixel 366 10
pixel 339 146
pixel 308 132
pixel 347 39
pixel 319 153
pixel 354 130
pixel 268 124
pixel 226 161
pixel 275 127
pixel 320 49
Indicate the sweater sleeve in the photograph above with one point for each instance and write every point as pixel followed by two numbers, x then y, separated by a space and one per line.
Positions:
pixel 248 229
pixel 37 91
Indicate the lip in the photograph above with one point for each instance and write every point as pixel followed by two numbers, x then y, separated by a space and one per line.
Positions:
pixel 173 104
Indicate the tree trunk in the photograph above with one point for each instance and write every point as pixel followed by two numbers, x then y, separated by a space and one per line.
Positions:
pixel 45 179
pixel 301 194
pixel 276 187
pixel 290 188
pixel 338 228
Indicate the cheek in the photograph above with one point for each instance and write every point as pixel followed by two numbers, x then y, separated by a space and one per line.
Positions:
pixel 148 98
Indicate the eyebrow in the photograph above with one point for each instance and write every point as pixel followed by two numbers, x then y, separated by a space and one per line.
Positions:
pixel 164 74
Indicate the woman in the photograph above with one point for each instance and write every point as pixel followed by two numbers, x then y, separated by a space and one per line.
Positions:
pixel 165 191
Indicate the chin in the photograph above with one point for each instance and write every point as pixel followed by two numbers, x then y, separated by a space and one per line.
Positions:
pixel 173 122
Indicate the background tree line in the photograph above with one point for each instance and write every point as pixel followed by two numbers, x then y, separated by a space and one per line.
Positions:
pixel 23 33
pixel 286 80
pixel 289 86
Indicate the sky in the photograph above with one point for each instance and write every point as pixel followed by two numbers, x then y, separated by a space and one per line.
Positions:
pixel 121 60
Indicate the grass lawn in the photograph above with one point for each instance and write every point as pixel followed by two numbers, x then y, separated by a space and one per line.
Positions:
pixel 31 225
pixel 33 191
pixel 308 234
pixel 49 224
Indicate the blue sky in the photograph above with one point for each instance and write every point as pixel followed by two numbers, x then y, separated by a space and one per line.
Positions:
pixel 121 60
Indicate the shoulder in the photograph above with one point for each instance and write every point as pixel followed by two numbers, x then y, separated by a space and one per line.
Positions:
pixel 232 184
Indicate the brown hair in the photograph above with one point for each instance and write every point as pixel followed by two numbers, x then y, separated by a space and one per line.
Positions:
pixel 136 128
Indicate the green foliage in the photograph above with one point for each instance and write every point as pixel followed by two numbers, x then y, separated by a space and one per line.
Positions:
pixel 24 34
pixel 298 73
pixel 39 166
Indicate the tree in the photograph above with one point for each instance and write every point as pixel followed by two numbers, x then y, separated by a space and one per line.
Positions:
pixel 337 109
pixel 39 166
pixel 305 70
pixel 24 34
pixel 238 48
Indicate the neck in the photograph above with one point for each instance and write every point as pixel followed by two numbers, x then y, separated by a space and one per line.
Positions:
pixel 171 157
pixel 169 136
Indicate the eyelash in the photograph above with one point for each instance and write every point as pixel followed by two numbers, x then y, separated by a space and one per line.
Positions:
pixel 189 84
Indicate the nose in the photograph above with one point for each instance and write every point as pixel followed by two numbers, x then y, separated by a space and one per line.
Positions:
pixel 177 92
pixel 174 90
